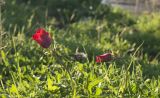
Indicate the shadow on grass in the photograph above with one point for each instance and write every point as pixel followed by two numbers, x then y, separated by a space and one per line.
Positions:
pixel 151 43
pixel 150 70
pixel 91 50
pixel 150 47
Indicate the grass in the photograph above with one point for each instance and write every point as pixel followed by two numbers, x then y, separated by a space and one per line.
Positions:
pixel 28 70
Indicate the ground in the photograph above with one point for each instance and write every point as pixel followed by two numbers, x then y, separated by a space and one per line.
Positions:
pixel 78 27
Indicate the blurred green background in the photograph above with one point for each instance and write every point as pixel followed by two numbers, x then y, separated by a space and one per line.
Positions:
pixel 26 15
pixel 93 28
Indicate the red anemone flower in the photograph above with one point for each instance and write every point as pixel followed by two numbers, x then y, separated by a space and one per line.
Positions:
pixel 42 38
pixel 104 57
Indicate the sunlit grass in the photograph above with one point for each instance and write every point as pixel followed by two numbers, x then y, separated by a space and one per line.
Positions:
pixel 28 70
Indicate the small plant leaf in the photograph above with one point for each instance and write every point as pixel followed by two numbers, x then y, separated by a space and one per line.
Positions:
pixel 50 85
pixel 5 60
pixel 93 83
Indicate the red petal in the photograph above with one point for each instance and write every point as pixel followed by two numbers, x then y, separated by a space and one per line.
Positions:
pixel 104 57
pixel 98 59
pixel 35 36
pixel 40 30
pixel 42 38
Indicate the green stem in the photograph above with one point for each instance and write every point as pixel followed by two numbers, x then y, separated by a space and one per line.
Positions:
pixel 64 67
pixel 2 85
pixel 15 85
pixel 73 84
pixel 18 66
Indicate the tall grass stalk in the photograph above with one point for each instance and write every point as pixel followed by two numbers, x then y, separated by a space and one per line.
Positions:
pixel 0 30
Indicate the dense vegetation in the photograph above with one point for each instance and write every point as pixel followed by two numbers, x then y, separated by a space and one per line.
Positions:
pixel 78 26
